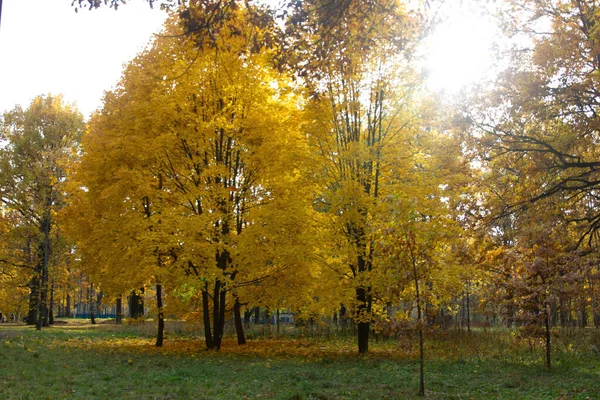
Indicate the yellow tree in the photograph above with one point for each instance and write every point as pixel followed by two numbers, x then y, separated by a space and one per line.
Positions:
pixel 351 56
pixel 416 236
pixel 177 170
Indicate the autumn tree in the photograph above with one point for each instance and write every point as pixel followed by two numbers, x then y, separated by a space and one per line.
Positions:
pixel 356 111
pixel 540 120
pixel 184 167
pixel 38 141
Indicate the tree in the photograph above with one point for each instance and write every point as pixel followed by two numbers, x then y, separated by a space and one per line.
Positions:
pixel 540 121
pixel 356 115
pixel 180 169
pixel 39 140
pixel 536 271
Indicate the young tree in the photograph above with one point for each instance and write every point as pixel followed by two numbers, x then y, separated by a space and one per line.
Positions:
pixel 359 86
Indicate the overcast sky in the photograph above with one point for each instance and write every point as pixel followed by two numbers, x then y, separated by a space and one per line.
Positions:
pixel 45 47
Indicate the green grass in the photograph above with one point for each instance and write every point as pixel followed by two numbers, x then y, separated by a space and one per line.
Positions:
pixel 101 362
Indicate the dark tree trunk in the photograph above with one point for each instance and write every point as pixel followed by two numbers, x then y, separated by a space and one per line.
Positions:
pixel 237 317
pixel 247 316
pixel 256 315
pixel 68 306
pixel 468 310
pixel 277 321
pixel 584 319
pixel 267 326
pixel 219 334
pixel 363 326
pixel 364 309
pixel 34 301
pixel 206 314
pixel 119 310
pixel 44 252
pixel 51 308
pixel 92 302
pixel 594 302
pixel 161 318
pixel 563 314
pixel 547 328
pixel 136 304
pixel 420 327
pixel 216 314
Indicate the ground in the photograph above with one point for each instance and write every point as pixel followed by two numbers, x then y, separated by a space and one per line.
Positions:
pixel 81 361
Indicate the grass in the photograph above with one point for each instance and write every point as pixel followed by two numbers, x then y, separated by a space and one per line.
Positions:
pixel 77 361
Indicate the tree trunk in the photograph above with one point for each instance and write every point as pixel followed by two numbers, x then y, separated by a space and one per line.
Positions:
pixel 161 318
pixel 136 304
pixel 267 327
pixel 45 250
pixel 206 314
pixel 547 326
pixel 92 302
pixel 237 317
pixel 363 325
pixel 468 310
pixel 34 301
pixel 256 315
pixel 221 330
pixel 420 326
pixel 364 299
pixel 247 315
pixel 216 314
pixel 594 301
pixel 68 306
pixel 119 310
pixel 51 308
pixel 277 316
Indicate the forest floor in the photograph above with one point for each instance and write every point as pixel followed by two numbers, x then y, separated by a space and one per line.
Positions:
pixel 76 360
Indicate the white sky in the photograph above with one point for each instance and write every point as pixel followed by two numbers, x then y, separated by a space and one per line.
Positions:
pixel 45 47
pixel 459 49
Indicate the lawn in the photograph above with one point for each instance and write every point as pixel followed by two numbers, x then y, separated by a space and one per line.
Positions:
pixel 77 361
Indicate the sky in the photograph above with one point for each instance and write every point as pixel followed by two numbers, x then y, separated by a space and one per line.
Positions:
pixel 45 47
pixel 460 48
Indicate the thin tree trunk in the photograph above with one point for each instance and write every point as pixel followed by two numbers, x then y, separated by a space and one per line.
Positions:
pixel 237 318
pixel 119 310
pixel 594 301
pixel 161 318
pixel 547 326
pixel 68 306
pixel 468 310
pixel 420 326
pixel 267 326
pixel 277 321
pixel 584 319
pixel 247 315
pixel 34 301
pixel 206 314
pixel 51 308
pixel 216 314
pixel 222 304
pixel 92 304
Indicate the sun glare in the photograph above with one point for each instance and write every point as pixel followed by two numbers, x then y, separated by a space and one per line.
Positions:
pixel 459 52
